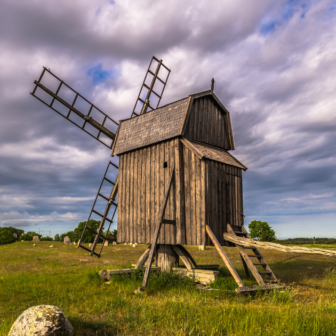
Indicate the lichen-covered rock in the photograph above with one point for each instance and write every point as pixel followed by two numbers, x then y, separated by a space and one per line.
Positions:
pixel 42 320
pixel 36 238
pixel 67 240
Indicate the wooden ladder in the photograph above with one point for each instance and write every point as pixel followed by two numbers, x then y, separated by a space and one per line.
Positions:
pixel 258 260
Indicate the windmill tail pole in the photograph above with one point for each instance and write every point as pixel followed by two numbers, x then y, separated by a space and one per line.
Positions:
pixel 277 247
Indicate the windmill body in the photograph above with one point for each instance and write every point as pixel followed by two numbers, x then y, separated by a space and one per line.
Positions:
pixel 176 183
pixel 191 136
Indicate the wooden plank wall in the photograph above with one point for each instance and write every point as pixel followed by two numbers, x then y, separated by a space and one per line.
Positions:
pixel 224 203
pixel 194 196
pixel 143 182
pixel 208 124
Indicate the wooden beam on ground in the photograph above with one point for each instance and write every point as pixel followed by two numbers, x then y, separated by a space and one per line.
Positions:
pixel 157 230
pixel 224 257
pixel 143 258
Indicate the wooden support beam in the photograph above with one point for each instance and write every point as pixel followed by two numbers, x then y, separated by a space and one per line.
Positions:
pixel 248 261
pixel 143 258
pixel 224 257
pixel 157 230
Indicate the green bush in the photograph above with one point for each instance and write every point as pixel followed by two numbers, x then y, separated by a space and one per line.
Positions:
pixel 6 236
pixel 29 236
pixel 261 231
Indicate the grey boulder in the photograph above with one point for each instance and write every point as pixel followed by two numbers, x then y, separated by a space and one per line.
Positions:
pixel 42 321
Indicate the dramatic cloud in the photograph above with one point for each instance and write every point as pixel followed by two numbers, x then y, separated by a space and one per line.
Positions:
pixel 274 66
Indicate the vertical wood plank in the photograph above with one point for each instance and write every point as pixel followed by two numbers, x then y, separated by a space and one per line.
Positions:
pixel 173 194
pixel 198 226
pixel 219 202
pixel 135 198
pixel 157 185
pixel 143 196
pixel 191 121
pixel 152 188
pixel 178 193
pixel 120 200
pixel 148 190
pixel 182 197
pixel 193 199
pixel 127 226
pixel 203 200
pixel 196 113
pixel 139 229
pixel 204 121
pixel 131 189
pixel 216 164
pixel 187 193
pixel 162 189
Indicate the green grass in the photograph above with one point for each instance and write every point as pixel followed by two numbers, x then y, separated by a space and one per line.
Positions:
pixel 67 277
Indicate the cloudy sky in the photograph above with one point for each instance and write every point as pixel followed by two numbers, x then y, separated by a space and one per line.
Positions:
pixel 274 63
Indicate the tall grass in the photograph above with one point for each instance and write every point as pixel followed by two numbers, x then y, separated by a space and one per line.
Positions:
pixel 171 305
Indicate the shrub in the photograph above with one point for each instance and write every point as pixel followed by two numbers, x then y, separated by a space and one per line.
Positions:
pixel 6 236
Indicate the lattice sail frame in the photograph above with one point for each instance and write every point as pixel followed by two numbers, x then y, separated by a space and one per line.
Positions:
pixel 74 107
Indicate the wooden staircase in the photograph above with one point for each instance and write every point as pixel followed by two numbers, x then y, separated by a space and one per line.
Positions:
pixel 251 260
pixel 258 260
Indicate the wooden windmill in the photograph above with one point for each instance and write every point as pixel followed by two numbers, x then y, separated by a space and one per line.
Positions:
pixel 177 184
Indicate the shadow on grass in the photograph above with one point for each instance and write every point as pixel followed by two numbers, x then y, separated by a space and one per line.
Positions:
pixel 85 328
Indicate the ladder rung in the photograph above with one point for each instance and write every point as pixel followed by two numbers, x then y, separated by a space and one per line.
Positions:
pixel 96 233
pixel 108 180
pixel 99 214
pixel 101 195
pixel 83 247
pixel 265 272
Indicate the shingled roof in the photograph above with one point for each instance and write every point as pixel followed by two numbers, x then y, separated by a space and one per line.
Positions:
pixel 158 125
pixel 203 151
pixel 152 127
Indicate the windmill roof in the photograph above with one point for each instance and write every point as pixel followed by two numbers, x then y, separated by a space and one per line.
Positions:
pixel 157 125
pixel 212 153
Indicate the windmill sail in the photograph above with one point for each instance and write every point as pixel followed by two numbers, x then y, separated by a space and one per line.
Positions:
pixel 152 87
pixel 67 102
pixel 151 91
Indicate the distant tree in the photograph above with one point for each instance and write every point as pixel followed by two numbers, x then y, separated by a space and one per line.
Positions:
pixel 261 231
pixel 46 239
pixel 6 236
pixel 29 236
pixel 57 237
pixel 18 232
pixel 89 236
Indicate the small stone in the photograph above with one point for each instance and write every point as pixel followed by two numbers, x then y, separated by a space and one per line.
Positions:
pixel 22 240
pixel 114 243
pixel 106 243
pixel 133 245
pixel 36 238
pixel 90 245
pixel 139 290
pixel 74 243
pixel 42 321
pixel 67 240
pixel 51 246
pixel 201 247
pixel 34 244
pixel 125 244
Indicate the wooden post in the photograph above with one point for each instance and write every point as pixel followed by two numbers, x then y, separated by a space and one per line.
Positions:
pixel 167 257
pixel 224 257
pixel 157 231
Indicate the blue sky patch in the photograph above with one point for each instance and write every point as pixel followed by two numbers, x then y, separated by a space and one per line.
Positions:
pixel 287 12
pixel 99 75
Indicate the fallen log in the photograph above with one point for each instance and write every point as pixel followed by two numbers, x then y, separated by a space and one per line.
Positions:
pixel 277 247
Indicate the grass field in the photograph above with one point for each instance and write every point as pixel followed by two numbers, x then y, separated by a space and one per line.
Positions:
pixel 67 277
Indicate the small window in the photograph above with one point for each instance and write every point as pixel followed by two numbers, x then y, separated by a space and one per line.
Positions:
pixel 165 165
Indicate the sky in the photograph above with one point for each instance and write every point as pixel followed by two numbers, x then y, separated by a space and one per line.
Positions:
pixel 274 69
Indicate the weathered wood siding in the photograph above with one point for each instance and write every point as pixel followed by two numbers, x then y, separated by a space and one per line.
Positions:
pixel 205 192
pixel 143 182
pixel 208 124
pixel 224 198
pixel 194 198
